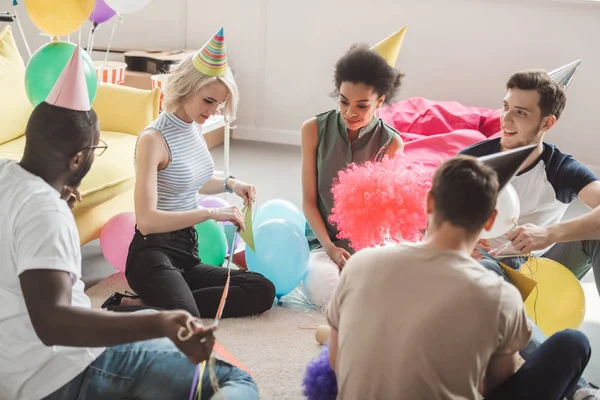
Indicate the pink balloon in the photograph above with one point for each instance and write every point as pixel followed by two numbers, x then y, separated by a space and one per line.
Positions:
pixel 212 202
pixel 115 238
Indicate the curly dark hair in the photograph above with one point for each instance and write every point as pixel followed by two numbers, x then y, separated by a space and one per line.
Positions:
pixel 360 64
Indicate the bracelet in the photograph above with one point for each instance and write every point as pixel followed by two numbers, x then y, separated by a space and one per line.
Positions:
pixel 225 184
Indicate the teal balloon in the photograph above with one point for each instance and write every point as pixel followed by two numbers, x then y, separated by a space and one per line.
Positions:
pixel 212 242
pixel 280 209
pixel 46 65
pixel 281 254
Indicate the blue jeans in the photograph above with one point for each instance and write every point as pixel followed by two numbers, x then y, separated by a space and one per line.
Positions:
pixel 551 371
pixel 152 369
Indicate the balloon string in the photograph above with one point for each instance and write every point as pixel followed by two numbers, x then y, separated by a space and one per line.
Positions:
pixel 21 30
pixel 112 34
pixel 183 335
pixel 79 39
pixel 91 39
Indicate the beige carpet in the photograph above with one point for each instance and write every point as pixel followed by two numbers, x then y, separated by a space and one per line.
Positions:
pixel 275 346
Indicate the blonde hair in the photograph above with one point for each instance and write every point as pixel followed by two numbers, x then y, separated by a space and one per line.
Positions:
pixel 184 81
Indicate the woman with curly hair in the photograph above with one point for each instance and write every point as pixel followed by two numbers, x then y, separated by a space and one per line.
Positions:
pixel 353 133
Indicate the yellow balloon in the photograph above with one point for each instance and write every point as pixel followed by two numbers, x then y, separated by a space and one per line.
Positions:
pixel 59 18
pixel 558 301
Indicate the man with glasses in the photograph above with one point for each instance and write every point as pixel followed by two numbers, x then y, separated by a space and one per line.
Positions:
pixel 52 344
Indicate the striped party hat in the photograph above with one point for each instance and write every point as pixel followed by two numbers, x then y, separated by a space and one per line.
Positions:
pixel 211 59
pixel 389 48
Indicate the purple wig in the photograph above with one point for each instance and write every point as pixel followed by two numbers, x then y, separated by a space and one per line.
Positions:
pixel 319 380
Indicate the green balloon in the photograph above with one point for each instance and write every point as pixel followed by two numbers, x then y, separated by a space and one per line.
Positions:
pixel 212 242
pixel 46 65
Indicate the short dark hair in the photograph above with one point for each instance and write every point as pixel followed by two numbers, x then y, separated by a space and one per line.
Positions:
pixel 363 65
pixel 465 192
pixel 552 96
pixel 56 133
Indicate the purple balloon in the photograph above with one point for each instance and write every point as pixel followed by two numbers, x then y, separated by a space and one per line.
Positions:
pixel 101 13
pixel 212 202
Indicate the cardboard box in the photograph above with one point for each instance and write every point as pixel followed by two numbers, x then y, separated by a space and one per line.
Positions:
pixel 139 80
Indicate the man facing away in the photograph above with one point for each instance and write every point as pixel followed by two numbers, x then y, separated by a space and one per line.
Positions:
pixel 426 321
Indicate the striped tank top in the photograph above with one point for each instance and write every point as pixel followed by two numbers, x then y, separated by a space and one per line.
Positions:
pixel 190 163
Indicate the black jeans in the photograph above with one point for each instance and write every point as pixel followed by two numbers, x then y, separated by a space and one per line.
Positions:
pixel 551 372
pixel 164 269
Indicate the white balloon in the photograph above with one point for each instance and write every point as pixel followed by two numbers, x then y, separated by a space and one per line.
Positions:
pixel 127 6
pixel 509 208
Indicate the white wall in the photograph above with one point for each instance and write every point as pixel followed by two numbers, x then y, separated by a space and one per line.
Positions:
pixel 283 52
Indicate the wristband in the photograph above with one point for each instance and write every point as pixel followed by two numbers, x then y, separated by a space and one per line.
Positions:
pixel 225 184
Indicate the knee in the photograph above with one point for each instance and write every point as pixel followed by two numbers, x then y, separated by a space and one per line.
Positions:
pixel 241 378
pixel 573 343
pixel 263 293
pixel 320 282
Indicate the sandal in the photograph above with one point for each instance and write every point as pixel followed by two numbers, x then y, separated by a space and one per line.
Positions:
pixel 113 303
pixel 115 299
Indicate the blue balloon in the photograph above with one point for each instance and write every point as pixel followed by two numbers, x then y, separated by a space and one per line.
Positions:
pixel 279 209
pixel 281 254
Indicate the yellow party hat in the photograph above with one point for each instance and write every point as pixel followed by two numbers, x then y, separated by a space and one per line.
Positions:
pixel 389 48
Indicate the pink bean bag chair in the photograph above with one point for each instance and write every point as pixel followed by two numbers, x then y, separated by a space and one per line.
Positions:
pixel 434 131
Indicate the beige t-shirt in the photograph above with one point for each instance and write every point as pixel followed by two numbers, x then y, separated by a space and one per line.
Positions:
pixel 415 323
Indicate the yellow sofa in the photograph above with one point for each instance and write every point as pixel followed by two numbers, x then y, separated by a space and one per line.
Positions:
pixel 123 112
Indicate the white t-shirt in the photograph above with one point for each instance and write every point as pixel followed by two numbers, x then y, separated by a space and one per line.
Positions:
pixel 546 189
pixel 37 231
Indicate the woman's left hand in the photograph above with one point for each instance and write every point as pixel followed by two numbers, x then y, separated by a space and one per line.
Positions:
pixel 245 191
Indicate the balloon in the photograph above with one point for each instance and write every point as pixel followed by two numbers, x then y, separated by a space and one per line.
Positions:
pixel 101 13
pixel 115 238
pixel 230 232
pixel 280 209
pixel 509 208
pixel 127 6
pixel 281 254
pixel 212 242
pixel 558 301
pixel 46 65
pixel 59 18
pixel 212 202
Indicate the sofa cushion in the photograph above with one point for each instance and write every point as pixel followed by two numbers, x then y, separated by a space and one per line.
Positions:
pixel 14 105
pixel 125 109
pixel 111 174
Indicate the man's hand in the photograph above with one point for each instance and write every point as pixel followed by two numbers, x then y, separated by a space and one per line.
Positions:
pixel 527 238
pixel 484 244
pixel 71 195
pixel 198 347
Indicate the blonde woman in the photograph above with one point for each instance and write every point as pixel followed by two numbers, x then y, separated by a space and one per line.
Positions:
pixel 173 164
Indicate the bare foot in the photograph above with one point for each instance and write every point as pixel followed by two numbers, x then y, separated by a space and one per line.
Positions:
pixel 126 301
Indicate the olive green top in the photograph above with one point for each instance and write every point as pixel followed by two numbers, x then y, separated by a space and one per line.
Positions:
pixel 334 154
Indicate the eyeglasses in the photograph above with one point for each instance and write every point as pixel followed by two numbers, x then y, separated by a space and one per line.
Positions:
pixel 99 149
